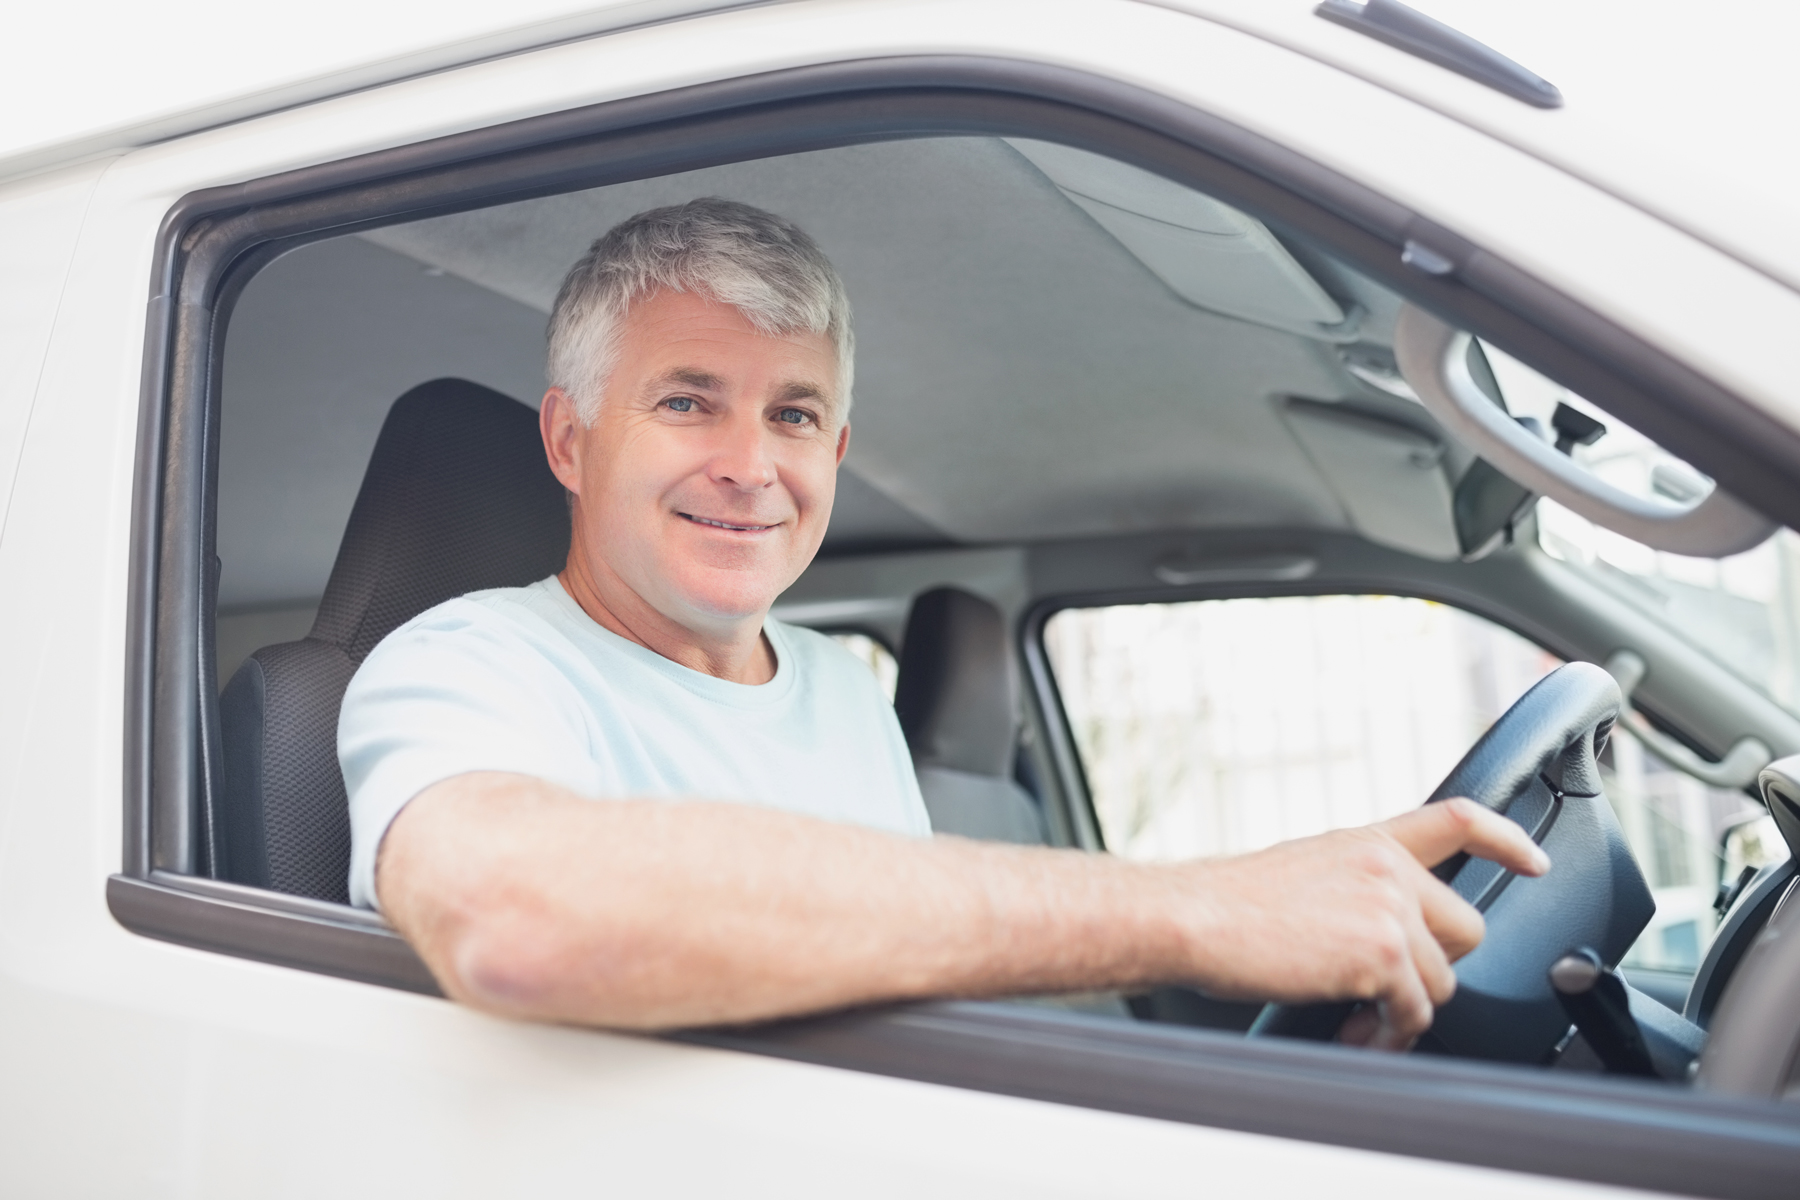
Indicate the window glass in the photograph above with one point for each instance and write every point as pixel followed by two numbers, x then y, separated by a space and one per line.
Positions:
pixel 1222 726
pixel 1743 610
pixel 1688 838
pixel 874 655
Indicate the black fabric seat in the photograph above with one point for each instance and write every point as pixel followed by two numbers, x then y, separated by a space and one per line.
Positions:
pixel 457 497
pixel 957 699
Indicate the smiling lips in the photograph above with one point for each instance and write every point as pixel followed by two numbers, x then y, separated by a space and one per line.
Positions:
pixel 726 524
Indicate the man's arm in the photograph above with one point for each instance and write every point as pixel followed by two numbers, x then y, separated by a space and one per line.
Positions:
pixel 527 900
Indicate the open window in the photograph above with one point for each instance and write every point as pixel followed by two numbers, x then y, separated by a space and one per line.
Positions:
pixel 1110 355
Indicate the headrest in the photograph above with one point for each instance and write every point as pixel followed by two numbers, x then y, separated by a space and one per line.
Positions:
pixel 957 695
pixel 458 497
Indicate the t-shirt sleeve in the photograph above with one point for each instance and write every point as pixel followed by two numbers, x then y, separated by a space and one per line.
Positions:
pixel 459 689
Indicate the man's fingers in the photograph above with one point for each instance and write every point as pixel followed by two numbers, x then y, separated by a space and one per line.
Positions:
pixel 1431 958
pixel 1388 930
pixel 1435 832
pixel 1405 1001
pixel 1405 1014
pixel 1361 1026
pixel 1453 921
pixel 1424 981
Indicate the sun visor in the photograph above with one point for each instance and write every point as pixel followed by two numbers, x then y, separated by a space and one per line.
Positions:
pixel 1391 478
pixel 1208 253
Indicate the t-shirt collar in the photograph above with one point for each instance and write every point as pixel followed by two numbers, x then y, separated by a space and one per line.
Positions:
pixel 724 691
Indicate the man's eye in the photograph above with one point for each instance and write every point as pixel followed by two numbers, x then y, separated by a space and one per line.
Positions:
pixel 794 416
pixel 680 403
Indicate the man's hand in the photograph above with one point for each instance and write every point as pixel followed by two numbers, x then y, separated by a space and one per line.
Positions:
pixel 527 900
pixel 1355 914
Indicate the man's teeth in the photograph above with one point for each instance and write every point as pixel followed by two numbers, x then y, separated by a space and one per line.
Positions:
pixel 726 525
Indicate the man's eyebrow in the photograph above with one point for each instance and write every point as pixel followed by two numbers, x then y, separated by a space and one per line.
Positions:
pixel 799 389
pixel 688 377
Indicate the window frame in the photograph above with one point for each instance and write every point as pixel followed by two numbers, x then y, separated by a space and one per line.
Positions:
pixel 213 241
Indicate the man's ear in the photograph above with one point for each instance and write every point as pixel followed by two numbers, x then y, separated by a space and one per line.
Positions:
pixel 561 428
pixel 843 442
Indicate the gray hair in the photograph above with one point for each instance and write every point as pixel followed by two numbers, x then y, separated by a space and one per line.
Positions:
pixel 758 263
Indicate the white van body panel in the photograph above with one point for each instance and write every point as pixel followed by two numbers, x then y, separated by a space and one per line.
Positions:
pixel 39 220
pixel 135 1064
pixel 1720 315
pixel 163 70
pixel 1687 113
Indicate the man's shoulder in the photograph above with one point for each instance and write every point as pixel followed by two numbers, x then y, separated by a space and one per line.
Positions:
pixel 490 606
pixel 507 614
pixel 487 644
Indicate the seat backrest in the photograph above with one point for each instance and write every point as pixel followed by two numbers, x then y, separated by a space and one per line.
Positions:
pixel 957 699
pixel 457 497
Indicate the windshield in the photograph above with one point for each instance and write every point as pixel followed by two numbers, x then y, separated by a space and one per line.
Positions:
pixel 1743 611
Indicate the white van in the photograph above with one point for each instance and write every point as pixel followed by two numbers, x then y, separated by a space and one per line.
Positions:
pixel 1279 393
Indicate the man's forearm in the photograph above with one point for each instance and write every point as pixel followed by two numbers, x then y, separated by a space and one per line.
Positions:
pixel 526 899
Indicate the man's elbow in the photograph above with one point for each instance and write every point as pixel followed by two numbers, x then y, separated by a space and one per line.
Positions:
pixel 494 966
pixel 483 946
pixel 518 965
pixel 504 930
pixel 459 892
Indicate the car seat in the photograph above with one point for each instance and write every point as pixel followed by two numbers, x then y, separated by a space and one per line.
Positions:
pixel 957 699
pixel 457 497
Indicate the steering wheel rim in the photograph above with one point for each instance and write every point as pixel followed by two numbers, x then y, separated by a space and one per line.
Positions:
pixel 1538 766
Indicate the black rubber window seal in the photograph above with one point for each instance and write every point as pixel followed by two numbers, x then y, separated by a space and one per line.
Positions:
pixel 213 241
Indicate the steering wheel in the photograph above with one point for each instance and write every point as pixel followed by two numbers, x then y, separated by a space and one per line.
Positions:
pixel 1536 765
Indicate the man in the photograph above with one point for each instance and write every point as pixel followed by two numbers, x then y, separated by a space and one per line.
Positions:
pixel 624 796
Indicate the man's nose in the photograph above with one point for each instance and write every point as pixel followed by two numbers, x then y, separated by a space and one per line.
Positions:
pixel 741 457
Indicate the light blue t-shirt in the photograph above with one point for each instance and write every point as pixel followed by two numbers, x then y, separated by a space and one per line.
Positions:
pixel 522 680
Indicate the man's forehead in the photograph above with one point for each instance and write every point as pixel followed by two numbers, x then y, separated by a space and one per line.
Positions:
pixel 686 339
pixel 666 315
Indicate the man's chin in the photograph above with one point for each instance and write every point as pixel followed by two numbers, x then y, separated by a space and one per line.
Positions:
pixel 720 603
pixel 721 591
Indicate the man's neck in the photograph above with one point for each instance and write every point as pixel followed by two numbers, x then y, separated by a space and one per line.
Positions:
pixel 742 655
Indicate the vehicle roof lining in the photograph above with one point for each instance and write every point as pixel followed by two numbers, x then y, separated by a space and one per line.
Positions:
pixel 986 301
pixel 983 298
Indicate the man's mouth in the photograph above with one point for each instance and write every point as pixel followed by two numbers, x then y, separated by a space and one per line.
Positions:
pixel 725 524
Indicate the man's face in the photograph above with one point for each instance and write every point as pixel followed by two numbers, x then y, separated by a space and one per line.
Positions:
pixel 706 481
